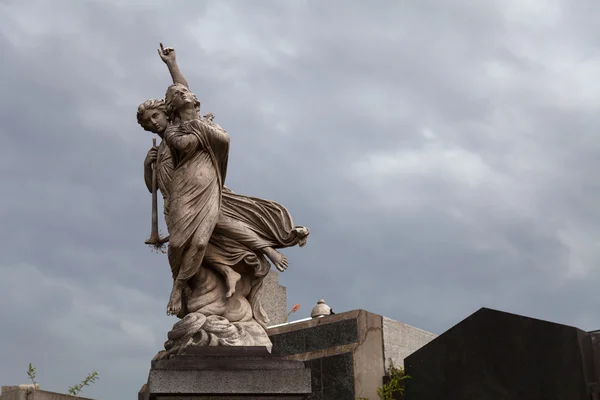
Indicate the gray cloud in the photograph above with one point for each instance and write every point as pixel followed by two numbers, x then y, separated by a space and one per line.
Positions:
pixel 444 157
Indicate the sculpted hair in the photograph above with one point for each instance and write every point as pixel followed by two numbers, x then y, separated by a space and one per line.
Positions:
pixel 171 111
pixel 150 104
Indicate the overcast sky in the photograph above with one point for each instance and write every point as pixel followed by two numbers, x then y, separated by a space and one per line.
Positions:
pixel 442 153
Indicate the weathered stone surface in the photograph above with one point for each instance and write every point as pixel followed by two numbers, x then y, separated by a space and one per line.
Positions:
pixel 401 340
pixel 196 330
pixel 248 372
pixel 32 392
pixel 320 310
pixel 274 298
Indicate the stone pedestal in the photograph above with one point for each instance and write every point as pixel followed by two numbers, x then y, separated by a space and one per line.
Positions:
pixel 227 373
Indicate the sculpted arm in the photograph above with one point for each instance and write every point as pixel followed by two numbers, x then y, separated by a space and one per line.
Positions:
pixel 181 141
pixel 168 56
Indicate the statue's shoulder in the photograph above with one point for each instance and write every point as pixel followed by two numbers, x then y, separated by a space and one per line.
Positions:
pixel 209 119
pixel 198 123
pixel 172 128
pixel 214 131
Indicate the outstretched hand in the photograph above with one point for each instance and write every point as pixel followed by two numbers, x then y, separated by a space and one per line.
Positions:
pixel 167 54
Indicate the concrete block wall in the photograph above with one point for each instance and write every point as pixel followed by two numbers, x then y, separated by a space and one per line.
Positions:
pixel 401 340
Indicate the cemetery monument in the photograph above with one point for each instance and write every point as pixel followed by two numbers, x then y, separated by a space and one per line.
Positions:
pixel 220 246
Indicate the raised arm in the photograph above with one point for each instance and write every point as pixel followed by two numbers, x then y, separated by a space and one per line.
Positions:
pixel 167 54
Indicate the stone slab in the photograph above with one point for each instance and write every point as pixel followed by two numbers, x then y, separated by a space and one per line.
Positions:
pixel 497 355
pixel 343 352
pixel 323 336
pixel 229 397
pixel 226 358
pixel 246 372
pixel 332 377
pixel 25 392
pixel 274 298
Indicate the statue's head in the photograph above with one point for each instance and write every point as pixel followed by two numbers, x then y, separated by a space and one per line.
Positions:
pixel 179 97
pixel 152 116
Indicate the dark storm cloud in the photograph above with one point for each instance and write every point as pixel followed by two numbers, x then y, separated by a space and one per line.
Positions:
pixel 443 155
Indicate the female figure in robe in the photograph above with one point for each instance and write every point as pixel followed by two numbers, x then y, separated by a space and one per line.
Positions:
pixel 200 154
pixel 246 228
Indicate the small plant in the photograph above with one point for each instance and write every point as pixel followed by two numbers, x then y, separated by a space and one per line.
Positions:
pixel 73 390
pixel 91 378
pixel 395 385
pixel 31 373
pixel 293 310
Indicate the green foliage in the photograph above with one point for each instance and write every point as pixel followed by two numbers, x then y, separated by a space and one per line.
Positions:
pixel 31 373
pixel 395 384
pixel 91 378
pixel 73 390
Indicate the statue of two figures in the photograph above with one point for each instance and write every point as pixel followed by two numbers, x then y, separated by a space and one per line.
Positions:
pixel 220 242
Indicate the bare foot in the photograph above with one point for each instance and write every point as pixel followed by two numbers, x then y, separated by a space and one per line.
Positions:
pixel 231 278
pixel 302 232
pixel 174 306
pixel 279 260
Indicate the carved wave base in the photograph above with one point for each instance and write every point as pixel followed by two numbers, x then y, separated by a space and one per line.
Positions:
pixel 212 319
pixel 196 329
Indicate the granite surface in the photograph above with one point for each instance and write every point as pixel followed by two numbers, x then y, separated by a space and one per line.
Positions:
pixel 230 397
pixel 332 377
pixel 234 371
pixel 315 338
pixel 497 355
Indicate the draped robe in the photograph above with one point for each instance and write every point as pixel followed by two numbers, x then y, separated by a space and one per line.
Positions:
pixel 164 173
pixel 243 227
pixel 199 154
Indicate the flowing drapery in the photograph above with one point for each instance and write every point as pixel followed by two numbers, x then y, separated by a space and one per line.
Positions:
pixel 199 155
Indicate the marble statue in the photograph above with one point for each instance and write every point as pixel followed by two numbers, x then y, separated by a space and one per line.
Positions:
pixel 220 242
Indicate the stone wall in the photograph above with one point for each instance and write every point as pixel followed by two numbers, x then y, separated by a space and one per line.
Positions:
pixel 401 340
pixel 346 352
pixel 25 392
pixel 274 299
